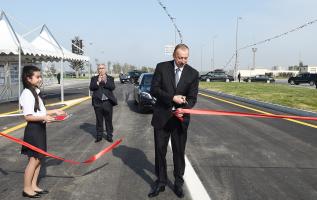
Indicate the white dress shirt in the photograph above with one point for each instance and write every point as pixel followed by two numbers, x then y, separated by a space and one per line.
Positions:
pixel 27 102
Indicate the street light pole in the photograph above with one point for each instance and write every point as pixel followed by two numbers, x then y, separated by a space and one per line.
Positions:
pixel 201 59
pixel 213 53
pixel 89 73
pixel 254 50
pixel 236 53
pixel 175 32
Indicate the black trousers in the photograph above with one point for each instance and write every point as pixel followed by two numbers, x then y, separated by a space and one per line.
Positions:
pixel 178 136
pixel 103 112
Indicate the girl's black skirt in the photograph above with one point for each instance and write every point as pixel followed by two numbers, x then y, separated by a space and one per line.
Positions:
pixel 35 134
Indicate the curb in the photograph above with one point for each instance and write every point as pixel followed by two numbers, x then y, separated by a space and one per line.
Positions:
pixel 272 106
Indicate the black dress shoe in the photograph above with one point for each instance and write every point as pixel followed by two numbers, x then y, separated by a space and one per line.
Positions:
pixel 24 194
pixel 156 190
pixel 42 192
pixel 109 139
pixel 97 140
pixel 179 191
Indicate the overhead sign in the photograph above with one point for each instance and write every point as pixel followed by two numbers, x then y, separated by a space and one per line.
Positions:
pixel 169 49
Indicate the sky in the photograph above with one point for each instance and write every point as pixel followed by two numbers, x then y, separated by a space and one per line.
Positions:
pixel 135 32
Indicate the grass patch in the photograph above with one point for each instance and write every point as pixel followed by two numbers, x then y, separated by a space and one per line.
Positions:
pixel 295 97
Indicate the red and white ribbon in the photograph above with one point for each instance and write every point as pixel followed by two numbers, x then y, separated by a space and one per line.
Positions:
pixel 240 114
pixel 88 161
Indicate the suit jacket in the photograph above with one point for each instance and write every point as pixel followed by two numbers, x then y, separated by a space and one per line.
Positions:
pixel 102 88
pixel 164 89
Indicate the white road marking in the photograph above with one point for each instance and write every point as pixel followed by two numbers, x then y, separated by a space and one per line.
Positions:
pixel 195 187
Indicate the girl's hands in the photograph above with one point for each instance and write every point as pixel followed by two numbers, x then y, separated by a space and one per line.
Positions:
pixel 60 112
pixel 49 119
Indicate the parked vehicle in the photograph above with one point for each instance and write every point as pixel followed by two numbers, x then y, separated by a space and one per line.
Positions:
pixel 260 78
pixel 124 78
pixel 217 75
pixel 134 76
pixel 303 78
pixel 142 96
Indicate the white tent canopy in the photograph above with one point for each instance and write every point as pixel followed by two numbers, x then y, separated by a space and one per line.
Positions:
pixel 46 42
pixel 44 47
pixel 10 41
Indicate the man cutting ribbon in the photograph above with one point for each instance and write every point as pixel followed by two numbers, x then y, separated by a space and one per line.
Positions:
pixel 175 85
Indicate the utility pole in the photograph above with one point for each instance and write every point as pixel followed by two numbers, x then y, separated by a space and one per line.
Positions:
pixel 201 58
pixel 236 53
pixel 254 50
pixel 213 53
pixel 175 32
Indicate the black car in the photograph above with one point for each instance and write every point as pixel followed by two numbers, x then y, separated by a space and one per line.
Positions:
pixel 134 76
pixel 142 95
pixel 124 78
pixel 303 78
pixel 259 78
pixel 216 76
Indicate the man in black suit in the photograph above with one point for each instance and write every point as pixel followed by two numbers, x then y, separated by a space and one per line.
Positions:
pixel 175 85
pixel 103 101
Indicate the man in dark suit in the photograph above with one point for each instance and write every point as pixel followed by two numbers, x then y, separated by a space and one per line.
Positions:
pixel 103 101
pixel 175 85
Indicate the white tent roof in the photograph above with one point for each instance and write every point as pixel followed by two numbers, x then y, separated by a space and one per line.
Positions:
pixel 28 48
pixel 46 41
pixel 72 56
pixel 44 47
pixel 10 40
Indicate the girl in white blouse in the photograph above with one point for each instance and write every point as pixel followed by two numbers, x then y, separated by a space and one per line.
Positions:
pixel 36 116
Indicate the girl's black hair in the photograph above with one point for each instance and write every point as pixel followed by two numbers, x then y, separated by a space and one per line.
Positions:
pixel 28 72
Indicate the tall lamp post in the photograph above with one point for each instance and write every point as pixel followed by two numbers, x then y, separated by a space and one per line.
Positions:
pixel 236 54
pixel 254 50
pixel 89 73
pixel 213 53
pixel 175 31
pixel 89 63
pixel 201 58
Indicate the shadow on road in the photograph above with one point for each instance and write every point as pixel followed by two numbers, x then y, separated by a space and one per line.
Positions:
pixel 136 160
pixel 47 162
pixel 3 171
pixel 95 169
pixel 89 128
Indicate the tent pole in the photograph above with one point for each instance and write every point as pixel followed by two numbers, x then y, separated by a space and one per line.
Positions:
pixel 89 65
pixel 19 78
pixel 62 80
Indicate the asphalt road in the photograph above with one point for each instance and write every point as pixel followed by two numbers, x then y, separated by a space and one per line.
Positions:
pixel 235 157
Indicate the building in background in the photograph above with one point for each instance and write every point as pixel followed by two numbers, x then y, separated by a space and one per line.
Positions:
pixel 308 69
